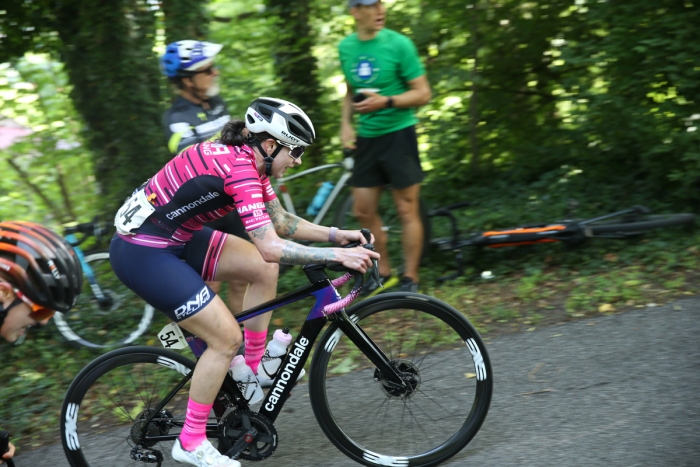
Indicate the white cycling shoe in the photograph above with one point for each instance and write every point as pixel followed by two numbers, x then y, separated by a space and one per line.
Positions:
pixel 204 455
pixel 266 382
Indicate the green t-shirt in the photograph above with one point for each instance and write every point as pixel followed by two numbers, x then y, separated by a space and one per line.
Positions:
pixel 384 64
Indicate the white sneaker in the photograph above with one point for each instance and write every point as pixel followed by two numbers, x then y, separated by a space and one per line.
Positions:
pixel 266 382
pixel 204 455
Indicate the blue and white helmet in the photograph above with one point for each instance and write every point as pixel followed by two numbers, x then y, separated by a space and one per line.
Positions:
pixel 183 57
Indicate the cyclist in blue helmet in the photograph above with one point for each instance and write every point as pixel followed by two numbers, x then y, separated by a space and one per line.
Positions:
pixel 198 113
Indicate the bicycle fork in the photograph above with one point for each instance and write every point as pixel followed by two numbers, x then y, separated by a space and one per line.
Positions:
pixel 385 373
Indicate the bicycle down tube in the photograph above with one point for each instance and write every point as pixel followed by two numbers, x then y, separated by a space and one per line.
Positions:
pixel 324 292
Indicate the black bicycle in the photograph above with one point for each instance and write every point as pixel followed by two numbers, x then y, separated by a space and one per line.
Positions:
pixel 107 313
pixel 628 223
pixel 422 386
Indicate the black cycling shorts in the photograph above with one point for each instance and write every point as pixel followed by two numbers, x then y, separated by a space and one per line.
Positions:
pixel 170 279
pixel 390 159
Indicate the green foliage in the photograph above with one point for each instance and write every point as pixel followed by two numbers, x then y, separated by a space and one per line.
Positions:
pixel 630 91
pixel 185 19
pixel 53 157
pixel 294 64
pixel 116 84
pixel 26 26
pixel 108 51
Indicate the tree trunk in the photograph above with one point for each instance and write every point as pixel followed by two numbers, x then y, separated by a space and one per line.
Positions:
pixel 108 52
pixel 295 65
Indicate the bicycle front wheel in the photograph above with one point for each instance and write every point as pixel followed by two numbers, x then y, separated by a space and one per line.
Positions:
pixel 638 224
pixel 108 316
pixel 441 357
pixel 107 403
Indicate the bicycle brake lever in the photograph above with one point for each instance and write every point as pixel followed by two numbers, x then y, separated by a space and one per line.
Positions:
pixel 375 266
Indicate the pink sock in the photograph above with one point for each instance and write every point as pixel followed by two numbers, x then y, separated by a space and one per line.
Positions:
pixel 254 348
pixel 195 429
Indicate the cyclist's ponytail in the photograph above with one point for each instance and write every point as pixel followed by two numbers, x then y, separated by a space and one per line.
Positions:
pixel 234 133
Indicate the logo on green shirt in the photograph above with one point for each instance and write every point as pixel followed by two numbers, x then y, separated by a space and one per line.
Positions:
pixel 366 69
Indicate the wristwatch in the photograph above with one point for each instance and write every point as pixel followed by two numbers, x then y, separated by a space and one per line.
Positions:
pixel 389 102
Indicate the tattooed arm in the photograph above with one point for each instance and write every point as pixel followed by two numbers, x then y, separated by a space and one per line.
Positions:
pixel 289 225
pixel 276 250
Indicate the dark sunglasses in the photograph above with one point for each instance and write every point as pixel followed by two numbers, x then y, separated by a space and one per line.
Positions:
pixel 294 151
pixel 39 313
pixel 209 71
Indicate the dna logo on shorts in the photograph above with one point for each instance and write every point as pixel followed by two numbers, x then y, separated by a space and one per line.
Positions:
pixel 194 304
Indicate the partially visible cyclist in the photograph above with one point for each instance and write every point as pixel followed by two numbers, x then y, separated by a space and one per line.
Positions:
pixel 164 253
pixel 39 275
pixel 198 112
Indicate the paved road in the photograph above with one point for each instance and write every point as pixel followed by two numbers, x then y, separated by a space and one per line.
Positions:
pixel 620 390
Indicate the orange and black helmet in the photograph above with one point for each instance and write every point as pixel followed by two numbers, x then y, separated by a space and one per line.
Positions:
pixel 40 264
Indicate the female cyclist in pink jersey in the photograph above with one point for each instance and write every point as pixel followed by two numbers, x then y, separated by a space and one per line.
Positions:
pixel 164 253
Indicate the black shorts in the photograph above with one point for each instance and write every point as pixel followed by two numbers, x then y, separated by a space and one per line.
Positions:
pixel 390 159
pixel 231 223
pixel 170 279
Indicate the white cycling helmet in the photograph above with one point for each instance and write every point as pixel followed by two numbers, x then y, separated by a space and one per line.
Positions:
pixel 183 57
pixel 282 120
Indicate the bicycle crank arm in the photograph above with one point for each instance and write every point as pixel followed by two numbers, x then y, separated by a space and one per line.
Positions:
pixel 243 442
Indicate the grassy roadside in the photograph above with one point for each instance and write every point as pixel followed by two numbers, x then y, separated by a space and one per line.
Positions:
pixel 531 287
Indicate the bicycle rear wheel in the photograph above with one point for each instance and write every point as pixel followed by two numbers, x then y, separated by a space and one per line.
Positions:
pixel 106 402
pixel 639 224
pixel 345 219
pixel 445 364
pixel 119 319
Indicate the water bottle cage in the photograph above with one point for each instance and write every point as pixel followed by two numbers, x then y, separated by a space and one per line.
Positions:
pixel 266 358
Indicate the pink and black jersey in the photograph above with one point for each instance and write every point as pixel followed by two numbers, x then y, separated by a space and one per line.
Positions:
pixel 203 183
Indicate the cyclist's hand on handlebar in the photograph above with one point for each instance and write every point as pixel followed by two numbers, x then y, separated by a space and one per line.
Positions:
pixel 358 258
pixel 348 236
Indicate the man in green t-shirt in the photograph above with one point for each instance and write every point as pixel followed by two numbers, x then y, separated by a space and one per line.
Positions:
pixel 383 69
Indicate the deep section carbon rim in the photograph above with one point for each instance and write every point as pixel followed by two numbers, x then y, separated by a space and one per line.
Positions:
pixel 444 363
pixel 108 398
pixel 119 319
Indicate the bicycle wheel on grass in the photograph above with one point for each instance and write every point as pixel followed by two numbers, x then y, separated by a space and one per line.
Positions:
pixel 442 357
pixel 106 400
pixel 345 219
pixel 119 320
pixel 637 224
